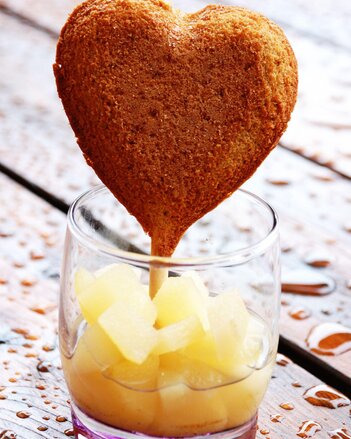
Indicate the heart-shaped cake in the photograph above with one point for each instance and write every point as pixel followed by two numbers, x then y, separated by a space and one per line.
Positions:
pixel 173 111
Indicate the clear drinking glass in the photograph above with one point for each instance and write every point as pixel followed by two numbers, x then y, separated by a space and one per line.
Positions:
pixel 202 368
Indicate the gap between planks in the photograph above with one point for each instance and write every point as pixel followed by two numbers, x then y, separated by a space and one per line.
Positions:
pixel 28 21
pixel 336 171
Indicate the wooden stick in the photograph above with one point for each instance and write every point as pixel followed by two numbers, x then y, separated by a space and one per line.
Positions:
pixel 157 275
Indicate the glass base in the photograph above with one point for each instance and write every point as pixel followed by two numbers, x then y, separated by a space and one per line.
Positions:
pixel 86 427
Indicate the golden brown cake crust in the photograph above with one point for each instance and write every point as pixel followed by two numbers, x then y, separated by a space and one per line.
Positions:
pixel 173 111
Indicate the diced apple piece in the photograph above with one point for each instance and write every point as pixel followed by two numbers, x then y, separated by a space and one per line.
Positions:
pixel 232 365
pixel 257 343
pixel 134 336
pixel 244 397
pixel 142 304
pixel 194 276
pixel 142 376
pixel 203 350
pixel 100 346
pixel 82 280
pixel 229 307
pixel 178 335
pixel 177 299
pixel 229 319
pixel 132 274
pixel 119 283
pixel 222 347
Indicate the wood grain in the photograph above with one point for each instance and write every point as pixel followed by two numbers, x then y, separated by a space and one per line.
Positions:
pixel 30 377
pixel 312 201
pixel 33 395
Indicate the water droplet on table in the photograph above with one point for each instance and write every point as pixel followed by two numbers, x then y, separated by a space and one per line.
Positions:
pixel 8 434
pixel 42 428
pixel 300 313
pixel 43 366
pixel 323 175
pixel 22 414
pixel 6 232
pixel 61 419
pixel 318 259
pixel 36 255
pixel 278 180
pixel 307 282
pixel 308 429
pixel 329 339
pixel 28 281
pixel 325 396
pixel 277 418
pixel 287 406
pixel 340 433
pixel 282 360
pixel 48 348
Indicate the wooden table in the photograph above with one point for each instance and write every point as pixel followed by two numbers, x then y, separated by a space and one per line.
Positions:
pixel 307 180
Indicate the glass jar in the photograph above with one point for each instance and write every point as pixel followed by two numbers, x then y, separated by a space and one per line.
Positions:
pixel 192 359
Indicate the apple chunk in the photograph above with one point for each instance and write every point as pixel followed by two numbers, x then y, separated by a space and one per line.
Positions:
pixel 82 280
pixel 178 335
pixel 179 298
pixel 100 346
pixel 114 284
pixel 222 347
pixel 134 336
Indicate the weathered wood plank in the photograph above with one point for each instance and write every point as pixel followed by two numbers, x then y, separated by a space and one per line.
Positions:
pixel 320 128
pixel 33 396
pixel 38 144
pixel 277 421
pixel 30 379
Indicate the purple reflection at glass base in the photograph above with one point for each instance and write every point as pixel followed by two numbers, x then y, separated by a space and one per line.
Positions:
pixel 86 427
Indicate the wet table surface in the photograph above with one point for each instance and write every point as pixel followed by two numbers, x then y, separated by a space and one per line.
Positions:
pixel 306 179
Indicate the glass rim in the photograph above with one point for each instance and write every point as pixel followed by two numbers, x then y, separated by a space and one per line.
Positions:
pixel 235 257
